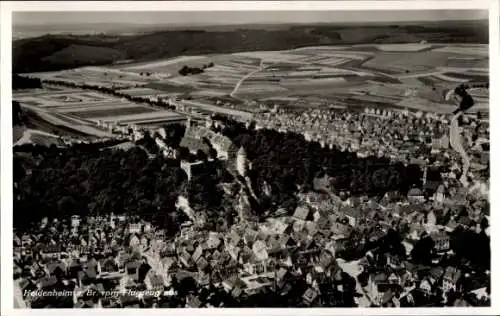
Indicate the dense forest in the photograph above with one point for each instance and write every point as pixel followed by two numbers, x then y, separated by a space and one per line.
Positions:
pixel 19 82
pixel 288 163
pixel 87 179
pixel 17 114
pixel 56 52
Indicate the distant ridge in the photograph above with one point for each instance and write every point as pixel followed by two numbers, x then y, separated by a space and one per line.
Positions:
pixel 37 54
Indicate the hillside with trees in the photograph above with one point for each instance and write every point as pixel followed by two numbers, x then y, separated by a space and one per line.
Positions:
pixel 56 52
pixel 288 163
pixel 87 179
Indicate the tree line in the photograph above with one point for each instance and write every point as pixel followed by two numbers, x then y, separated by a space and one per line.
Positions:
pixel 19 82
pixel 186 70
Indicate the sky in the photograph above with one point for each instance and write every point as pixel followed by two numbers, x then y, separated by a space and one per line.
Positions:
pixel 239 17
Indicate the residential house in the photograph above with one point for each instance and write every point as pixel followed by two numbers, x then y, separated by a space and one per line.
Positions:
pixel 439 196
pixel 154 281
pixel 416 195
pixel 108 265
pixel 352 214
pixel 213 241
pixel 204 279
pixel 390 197
pixel 193 301
pixel 450 279
pixel 75 221
pixel 308 251
pixel 144 242
pixel 46 282
pixel 122 258
pixel 431 218
pixel 255 266
pixel 310 295
pixel 73 268
pixel 325 262
pixel 302 213
pixel 441 241
pixel 170 267
pixel 134 241
pixel 427 286
pixel 135 228
pixel 50 251
pixel 259 249
pixel 287 242
pixel 132 269
pixel 378 284
pixel 202 264
pixel 231 282
pixel 340 230
pixel 397 277
pixel 92 268
pixel 55 268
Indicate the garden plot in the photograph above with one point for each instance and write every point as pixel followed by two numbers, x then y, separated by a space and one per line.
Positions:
pixel 223 70
pixel 118 72
pixel 90 106
pixel 209 93
pixel 130 118
pixel 473 50
pixel 73 124
pixel 111 112
pixel 256 88
pixel 320 49
pixel 231 64
pixel 158 65
pixel 140 92
pixel 309 82
pixel 332 61
pixel 449 78
pixel 157 122
pixel 268 56
pixel 467 62
pixel 238 59
pixel 408 62
pixel 412 47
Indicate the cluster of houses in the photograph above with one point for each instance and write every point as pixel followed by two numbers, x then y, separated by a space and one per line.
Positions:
pixel 125 262
pixel 411 137
pixel 327 253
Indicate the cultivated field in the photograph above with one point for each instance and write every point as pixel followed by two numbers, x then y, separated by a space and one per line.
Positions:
pixel 414 75
pixel 380 73
pixel 77 112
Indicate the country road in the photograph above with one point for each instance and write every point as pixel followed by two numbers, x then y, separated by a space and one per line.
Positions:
pixel 238 84
pixel 456 144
